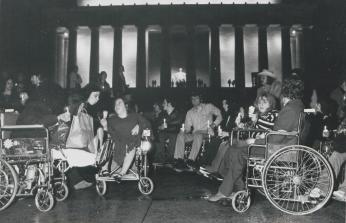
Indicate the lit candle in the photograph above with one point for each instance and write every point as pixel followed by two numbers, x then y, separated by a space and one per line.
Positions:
pixel 219 131
pixel 105 114
pixel 164 123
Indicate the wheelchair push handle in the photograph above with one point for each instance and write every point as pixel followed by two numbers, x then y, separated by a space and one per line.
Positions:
pixel 10 127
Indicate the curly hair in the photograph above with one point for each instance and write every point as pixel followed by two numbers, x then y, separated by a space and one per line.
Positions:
pixel 266 96
pixel 292 88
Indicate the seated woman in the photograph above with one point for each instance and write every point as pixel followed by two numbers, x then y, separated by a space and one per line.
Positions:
pixel 265 104
pixel 236 157
pixel 125 130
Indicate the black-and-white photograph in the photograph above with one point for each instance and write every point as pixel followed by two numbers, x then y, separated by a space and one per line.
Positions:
pixel 172 111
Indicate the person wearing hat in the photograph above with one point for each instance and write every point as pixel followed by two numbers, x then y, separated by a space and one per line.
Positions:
pixel 269 83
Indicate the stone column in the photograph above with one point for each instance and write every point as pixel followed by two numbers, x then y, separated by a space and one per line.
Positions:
pixel 94 54
pixel 239 58
pixel 286 51
pixel 215 73
pixel 72 51
pixel 141 58
pixel 117 56
pixel 61 51
pixel 165 78
pixel 262 48
pixel 307 52
pixel 190 63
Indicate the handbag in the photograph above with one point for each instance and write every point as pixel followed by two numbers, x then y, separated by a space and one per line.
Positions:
pixel 81 133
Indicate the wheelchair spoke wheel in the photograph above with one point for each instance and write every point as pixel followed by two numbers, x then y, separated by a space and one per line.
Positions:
pixel 8 184
pixel 60 191
pixel 44 200
pixel 101 187
pixel 241 201
pixel 298 180
pixel 145 185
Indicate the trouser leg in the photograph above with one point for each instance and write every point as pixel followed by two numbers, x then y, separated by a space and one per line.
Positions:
pixel 234 175
pixel 128 161
pixel 171 146
pixel 196 145
pixel 180 144
pixel 215 164
pixel 336 161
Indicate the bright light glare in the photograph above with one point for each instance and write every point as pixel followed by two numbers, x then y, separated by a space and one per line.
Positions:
pixel 168 2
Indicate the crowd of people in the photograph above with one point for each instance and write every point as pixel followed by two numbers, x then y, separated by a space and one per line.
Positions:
pixel 278 106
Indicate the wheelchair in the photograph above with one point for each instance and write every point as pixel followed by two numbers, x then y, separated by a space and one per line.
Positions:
pixel 288 177
pixel 60 166
pixel 25 168
pixel 145 184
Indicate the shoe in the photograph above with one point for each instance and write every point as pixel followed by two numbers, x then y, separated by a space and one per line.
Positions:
pixel 208 169
pixel 82 185
pixel 339 195
pixel 231 196
pixel 105 173
pixel 191 165
pixel 179 166
pixel 117 177
pixel 216 176
pixel 216 197
pixel 203 173
pixel 169 165
pixel 316 193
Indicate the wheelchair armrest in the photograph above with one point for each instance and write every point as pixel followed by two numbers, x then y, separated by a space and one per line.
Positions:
pixel 283 133
pixel 248 130
pixel 280 133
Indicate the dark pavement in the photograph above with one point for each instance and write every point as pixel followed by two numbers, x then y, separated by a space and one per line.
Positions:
pixel 176 198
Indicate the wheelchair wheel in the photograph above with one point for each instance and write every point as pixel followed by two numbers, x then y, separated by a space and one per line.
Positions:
pixel 145 185
pixel 241 201
pixel 44 200
pixel 60 191
pixel 8 184
pixel 101 187
pixel 297 180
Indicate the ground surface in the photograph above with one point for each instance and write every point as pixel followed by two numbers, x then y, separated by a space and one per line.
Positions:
pixel 177 198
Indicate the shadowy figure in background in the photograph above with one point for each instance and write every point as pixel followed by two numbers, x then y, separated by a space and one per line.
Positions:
pixel 8 97
pixel 105 89
pixel 75 78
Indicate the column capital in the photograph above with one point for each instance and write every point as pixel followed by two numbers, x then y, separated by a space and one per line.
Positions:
pixel 262 26
pixel 191 29
pixel 307 27
pixel 94 28
pixel 214 26
pixel 141 26
pixel 72 28
pixel 116 26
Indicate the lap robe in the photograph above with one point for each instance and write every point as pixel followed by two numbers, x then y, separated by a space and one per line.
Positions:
pixel 75 157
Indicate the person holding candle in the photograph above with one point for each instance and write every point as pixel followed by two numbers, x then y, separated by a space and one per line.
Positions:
pixel 236 157
pixel 199 119
pixel 263 116
pixel 169 129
